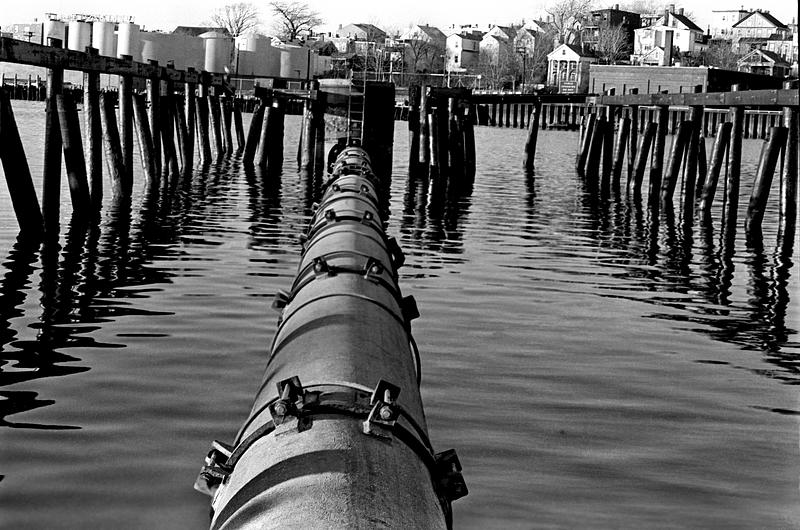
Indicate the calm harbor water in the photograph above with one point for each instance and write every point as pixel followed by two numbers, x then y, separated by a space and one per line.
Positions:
pixel 592 369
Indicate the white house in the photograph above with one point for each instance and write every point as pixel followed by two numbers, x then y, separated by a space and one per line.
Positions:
pixel 568 69
pixel 722 21
pixel 463 51
pixel 760 24
pixel 687 36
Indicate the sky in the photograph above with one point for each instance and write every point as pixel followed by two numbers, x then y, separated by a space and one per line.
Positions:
pixel 167 14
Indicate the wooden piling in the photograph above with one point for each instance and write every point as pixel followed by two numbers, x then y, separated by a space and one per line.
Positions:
pixel 734 168
pixel 154 97
pixel 191 115
pixel 51 186
pixel 788 189
pixel 593 160
pixel 73 154
pixel 619 151
pixel 203 129
pixel 377 135
pixel 262 152
pixel 440 132
pixel 226 106
pixel 642 153
pixel 763 181
pixel 679 146
pixel 533 136
pixel 413 128
pixel 455 140
pixel 115 166
pixel 692 163
pixel 145 138
pixel 721 141
pixel 238 127
pixel 318 108
pixel 126 127
pixel 633 138
pixel 469 145
pixel 94 138
pixel 17 172
pixel 182 134
pixel 424 127
pixel 307 139
pixel 583 152
pixel 657 158
pixel 215 120
pixel 171 167
pixel 608 149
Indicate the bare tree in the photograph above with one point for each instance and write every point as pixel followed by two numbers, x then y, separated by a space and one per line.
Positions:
pixel 612 44
pixel 721 54
pixel 567 16
pixel 293 18
pixel 236 18
pixel 424 55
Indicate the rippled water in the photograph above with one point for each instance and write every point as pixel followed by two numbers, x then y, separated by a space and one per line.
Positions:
pixel 592 369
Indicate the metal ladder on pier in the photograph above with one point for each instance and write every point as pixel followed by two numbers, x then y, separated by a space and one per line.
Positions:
pixel 355 109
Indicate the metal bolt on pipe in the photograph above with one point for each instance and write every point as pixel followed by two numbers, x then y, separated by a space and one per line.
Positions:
pixel 337 437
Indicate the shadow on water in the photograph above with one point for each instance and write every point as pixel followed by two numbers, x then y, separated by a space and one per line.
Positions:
pixel 91 276
pixel 688 269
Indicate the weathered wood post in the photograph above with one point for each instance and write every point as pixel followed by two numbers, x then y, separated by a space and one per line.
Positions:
pixel 182 130
pixel 634 133
pixel 190 104
pixel 763 180
pixel 227 122
pixel 215 119
pixel 721 142
pixel 788 189
pixel 51 186
pixel 413 129
pixel 593 160
pixel 640 164
pixel 145 138
pixel 262 152
pixel 318 111
pixel 679 146
pixel 203 126
pixel 94 135
pixel 73 154
pixel 153 114
pixel 469 145
pixel 657 159
pixel 238 127
pixel 307 139
pixel 111 145
pixel 377 133
pixel 619 151
pixel 692 156
pixel 455 139
pixel 586 138
pixel 608 146
pixel 734 167
pixel 17 172
pixel 433 143
pixel 424 127
pixel 126 124
pixel 168 134
pixel 533 136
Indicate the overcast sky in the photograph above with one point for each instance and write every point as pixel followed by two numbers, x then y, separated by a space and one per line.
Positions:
pixel 166 14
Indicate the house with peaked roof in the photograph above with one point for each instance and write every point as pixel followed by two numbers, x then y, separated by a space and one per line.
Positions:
pixel 601 20
pixel 568 69
pixel 764 62
pixel 673 28
pixel 760 24
pixel 498 43
pixel 463 51
pixel 362 32
pixel 425 48
pixel 722 21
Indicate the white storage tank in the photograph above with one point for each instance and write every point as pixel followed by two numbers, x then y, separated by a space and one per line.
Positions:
pixel 294 62
pixel 218 52
pixel 103 38
pixel 55 29
pixel 129 41
pixel 80 35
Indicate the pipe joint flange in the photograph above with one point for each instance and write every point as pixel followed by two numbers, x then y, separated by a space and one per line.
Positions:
pixel 449 480
pixel 384 412
pixel 215 470
pixel 292 401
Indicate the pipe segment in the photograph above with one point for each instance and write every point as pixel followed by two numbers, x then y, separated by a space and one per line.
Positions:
pixel 337 436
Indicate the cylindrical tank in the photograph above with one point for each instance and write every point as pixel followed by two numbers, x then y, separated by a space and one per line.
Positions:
pixel 129 41
pixel 150 48
pixel 80 35
pixel 55 29
pixel 294 62
pixel 247 43
pixel 218 52
pixel 103 38
pixel 337 436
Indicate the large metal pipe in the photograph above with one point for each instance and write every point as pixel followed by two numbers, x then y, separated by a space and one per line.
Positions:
pixel 337 437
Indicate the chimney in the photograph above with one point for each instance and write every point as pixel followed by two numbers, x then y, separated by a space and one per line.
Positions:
pixel 667 61
pixel 616 7
pixel 680 11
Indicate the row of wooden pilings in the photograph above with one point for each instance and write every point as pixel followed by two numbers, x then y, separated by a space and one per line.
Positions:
pixel 441 134
pixel 175 125
pixel 568 116
pixel 611 132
